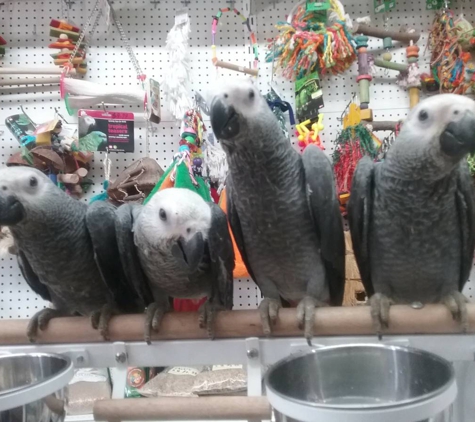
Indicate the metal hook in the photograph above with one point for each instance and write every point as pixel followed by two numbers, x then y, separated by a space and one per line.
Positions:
pixel 103 107
pixel 24 112
pixel 60 116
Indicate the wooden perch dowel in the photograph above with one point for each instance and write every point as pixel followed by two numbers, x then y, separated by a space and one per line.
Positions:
pixel 184 409
pixel 331 321
pixel 46 80
pixel 33 70
pixel 371 31
pixel 381 125
pixel 235 67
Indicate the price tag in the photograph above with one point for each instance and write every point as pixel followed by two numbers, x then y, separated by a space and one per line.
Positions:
pixel 106 13
pixel 181 17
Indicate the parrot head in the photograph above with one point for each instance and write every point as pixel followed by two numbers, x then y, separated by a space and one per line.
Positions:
pixel 178 217
pixel 239 114
pixel 441 127
pixel 21 190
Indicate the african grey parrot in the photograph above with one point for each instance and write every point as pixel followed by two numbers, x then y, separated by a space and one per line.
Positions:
pixel 412 215
pixel 67 251
pixel 177 245
pixel 282 208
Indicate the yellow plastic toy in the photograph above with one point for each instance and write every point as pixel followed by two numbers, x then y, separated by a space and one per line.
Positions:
pixel 308 136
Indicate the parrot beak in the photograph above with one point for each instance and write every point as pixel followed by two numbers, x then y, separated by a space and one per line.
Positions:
pixel 224 120
pixel 192 250
pixel 458 138
pixel 11 210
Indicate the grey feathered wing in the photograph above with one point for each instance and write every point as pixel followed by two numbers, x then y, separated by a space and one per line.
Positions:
pixel 31 278
pixel 465 202
pixel 235 224
pixel 359 215
pixel 124 224
pixel 100 222
pixel 325 210
pixel 221 254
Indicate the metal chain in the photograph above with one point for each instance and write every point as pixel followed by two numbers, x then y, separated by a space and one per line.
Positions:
pixel 125 40
pixel 85 30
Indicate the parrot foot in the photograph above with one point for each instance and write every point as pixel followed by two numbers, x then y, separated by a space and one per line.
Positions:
pixel 207 315
pixel 269 311
pixel 457 304
pixel 40 321
pixel 380 305
pixel 306 315
pixel 153 318
pixel 100 320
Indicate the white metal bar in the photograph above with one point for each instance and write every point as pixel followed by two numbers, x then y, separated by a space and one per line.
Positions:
pixel 254 367
pixel 234 351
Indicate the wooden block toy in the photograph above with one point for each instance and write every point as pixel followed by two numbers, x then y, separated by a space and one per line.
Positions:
pixel 76 60
pixel 63 43
pixel 60 24
pixel 366 114
pixel 53 32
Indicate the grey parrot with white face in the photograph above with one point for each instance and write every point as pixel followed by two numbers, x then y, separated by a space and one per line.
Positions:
pixel 412 216
pixel 282 208
pixel 67 251
pixel 179 246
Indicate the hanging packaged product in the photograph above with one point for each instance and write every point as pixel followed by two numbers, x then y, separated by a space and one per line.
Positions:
pixel 177 381
pixel 308 96
pixel 383 6
pixel 107 130
pixel 23 129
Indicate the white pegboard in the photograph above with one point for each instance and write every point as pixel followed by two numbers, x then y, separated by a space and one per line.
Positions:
pixel 24 24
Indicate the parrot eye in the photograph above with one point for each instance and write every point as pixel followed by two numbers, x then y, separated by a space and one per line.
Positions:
pixel 33 181
pixel 162 214
pixel 251 94
pixel 423 115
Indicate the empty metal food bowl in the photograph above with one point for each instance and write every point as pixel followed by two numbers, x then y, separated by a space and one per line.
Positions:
pixel 362 383
pixel 33 387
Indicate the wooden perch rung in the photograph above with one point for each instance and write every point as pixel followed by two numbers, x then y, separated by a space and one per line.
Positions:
pixel 371 31
pixel 331 321
pixel 184 409
pixel 381 125
pixel 235 67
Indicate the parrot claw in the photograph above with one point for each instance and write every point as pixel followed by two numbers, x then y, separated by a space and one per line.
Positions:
pixel 380 305
pixel 207 314
pixel 40 321
pixel 269 311
pixel 457 304
pixel 306 316
pixel 100 320
pixel 153 318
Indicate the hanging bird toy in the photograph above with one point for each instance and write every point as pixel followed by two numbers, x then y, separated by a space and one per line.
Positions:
pixel 308 44
pixel 218 63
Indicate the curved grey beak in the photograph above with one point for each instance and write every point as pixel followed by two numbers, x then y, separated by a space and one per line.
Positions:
pixel 458 138
pixel 11 210
pixel 224 120
pixel 190 253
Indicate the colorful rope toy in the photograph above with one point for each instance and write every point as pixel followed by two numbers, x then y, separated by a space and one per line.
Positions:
pixel 448 60
pixel 252 37
pixel 307 45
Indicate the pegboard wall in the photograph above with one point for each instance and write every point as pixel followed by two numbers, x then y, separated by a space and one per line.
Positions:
pixel 25 26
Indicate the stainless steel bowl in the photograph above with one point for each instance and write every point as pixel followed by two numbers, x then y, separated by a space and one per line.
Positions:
pixel 33 387
pixel 361 383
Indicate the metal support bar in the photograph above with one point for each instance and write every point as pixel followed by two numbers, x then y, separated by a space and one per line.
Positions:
pixel 120 372
pixel 254 367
